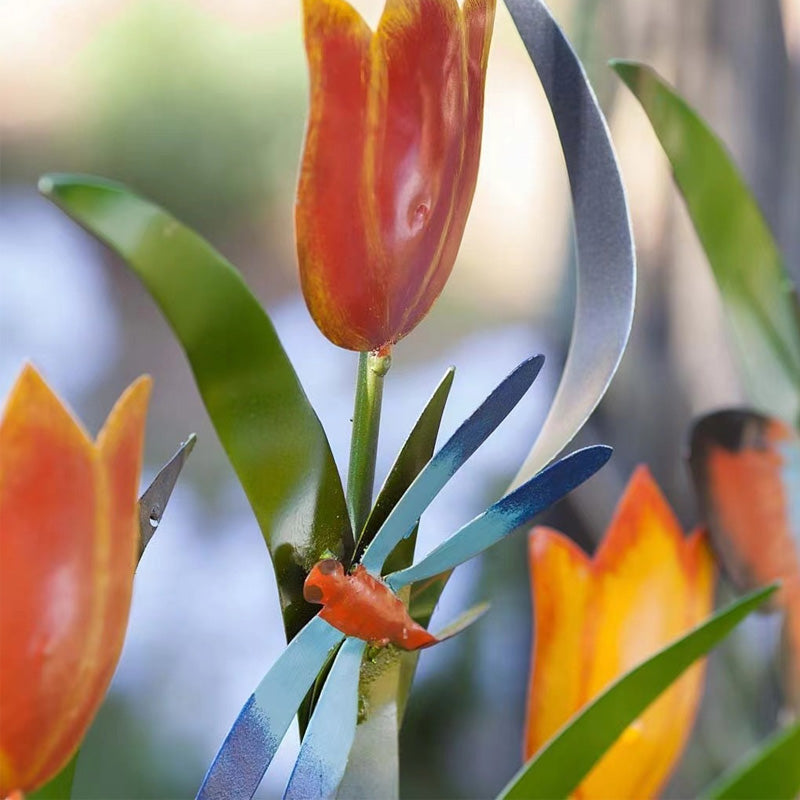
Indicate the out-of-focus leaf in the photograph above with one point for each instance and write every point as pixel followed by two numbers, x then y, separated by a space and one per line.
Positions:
pixel 451 457
pixel 565 760
pixel 603 238
pixel 414 455
pixel 462 622
pixel 368 774
pixel 261 414
pixel 251 743
pixel 59 787
pixel 326 745
pixel 773 771
pixel 759 298
pixel 506 515
pixel 154 499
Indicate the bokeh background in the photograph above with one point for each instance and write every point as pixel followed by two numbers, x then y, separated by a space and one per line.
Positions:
pixel 200 105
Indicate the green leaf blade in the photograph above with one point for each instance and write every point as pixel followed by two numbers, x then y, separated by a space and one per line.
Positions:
pixel 773 771
pixel 749 268
pixel 256 403
pixel 587 736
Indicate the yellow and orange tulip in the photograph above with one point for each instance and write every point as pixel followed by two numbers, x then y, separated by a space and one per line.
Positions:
pixel 68 549
pixel 596 618
pixel 390 161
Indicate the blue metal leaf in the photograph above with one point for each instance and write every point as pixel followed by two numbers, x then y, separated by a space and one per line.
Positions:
pixel 326 746
pixel 452 456
pixel 253 740
pixel 603 239
pixel 507 514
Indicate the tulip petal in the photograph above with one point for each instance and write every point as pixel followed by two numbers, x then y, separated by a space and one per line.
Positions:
pixel 65 584
pixel 331 243
pixel 415 149
pixel 646 586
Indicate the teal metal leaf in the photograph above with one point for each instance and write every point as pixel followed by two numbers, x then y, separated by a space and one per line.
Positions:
pixel 506 515
pixel 326 745
pixel 758 295
pixel 587 736
pixel 253 740
pixel 451 457
pixel 260 412
pixel 773 771
pixel 603 238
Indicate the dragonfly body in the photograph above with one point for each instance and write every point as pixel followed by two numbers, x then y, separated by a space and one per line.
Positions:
pixel 360 605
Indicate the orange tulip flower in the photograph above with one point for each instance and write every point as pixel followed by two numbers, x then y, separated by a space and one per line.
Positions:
pixel 68 548
pixel 390 161
pixel 596 618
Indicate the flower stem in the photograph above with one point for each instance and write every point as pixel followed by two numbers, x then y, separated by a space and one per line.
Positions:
pixel 372 367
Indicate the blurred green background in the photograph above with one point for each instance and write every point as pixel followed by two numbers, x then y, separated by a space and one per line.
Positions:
pixel 200 106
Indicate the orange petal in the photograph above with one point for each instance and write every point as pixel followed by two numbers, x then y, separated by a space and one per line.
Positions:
pixel 418 104
pixel 646 586
pixel 66 571
pixel 337 268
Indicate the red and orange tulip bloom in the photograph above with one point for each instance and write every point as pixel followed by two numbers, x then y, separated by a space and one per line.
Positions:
pixel 68 549
pixel 390 161
pixel 596 618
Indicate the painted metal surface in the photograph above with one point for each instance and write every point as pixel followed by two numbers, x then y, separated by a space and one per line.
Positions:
pixel 450 458
pixel 154 499
pixel 253 740
pixel 507 514
pixel 326 746
pixel 603 237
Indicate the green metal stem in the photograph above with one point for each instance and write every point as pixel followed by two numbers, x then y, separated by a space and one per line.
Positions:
pixel 372 368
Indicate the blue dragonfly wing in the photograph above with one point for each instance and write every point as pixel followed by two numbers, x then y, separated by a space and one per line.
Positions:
pixel 251 743
pixel 507 514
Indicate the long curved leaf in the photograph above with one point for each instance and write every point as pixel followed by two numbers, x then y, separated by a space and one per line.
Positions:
pixel 261 414
pixel 506 515
pixel 326 746
pixel 759 298
pixel 584 739
pixel 451 457
pixel 253 740
pixel 773 771
pixel 603 238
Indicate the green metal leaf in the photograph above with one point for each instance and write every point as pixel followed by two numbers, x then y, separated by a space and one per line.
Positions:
pixel 758 294
pixel 773 771
pixel 261 414
pixel 587 736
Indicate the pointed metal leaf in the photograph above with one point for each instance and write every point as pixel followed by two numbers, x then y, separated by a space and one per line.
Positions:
pixel 251 743
pixel 507 515
pixel 326 746
pixel 452 456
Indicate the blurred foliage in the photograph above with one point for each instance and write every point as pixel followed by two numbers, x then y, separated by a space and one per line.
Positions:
pixel 211 122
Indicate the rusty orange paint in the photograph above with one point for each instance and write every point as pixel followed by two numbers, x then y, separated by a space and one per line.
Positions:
pixel 68 546
pixel 390 160
pixel 596 618
pixel 362 606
